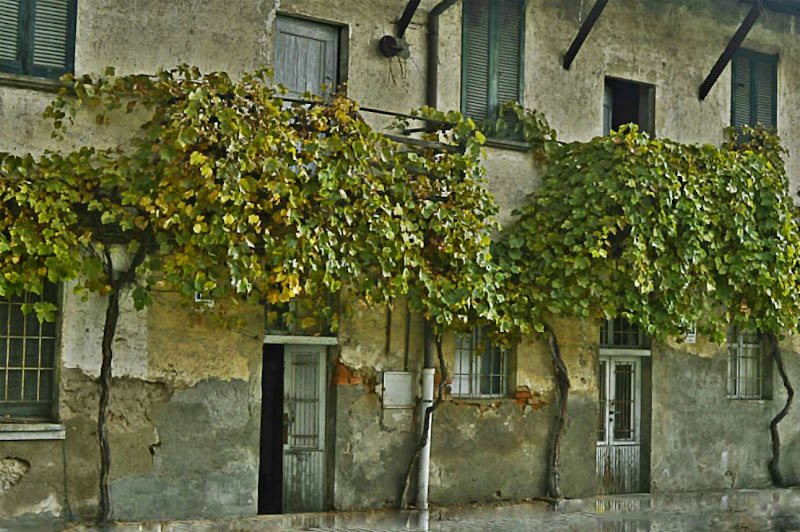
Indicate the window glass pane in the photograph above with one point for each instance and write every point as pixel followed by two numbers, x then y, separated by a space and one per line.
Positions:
pixel 30 385
pixel 15 353
pixel 46 392
pixel 14 385
pixel 17 327
pixel 48 353
pixel 31 353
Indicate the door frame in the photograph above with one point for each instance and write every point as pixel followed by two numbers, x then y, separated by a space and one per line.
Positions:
pixel 610 381
pixel 610 453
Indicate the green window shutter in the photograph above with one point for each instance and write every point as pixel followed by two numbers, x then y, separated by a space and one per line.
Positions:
pixel 509 47
pixel 754 91
pixel 741 91
pixel 491 56
pixel 53 38
pixel 37 37
pixel 10 35
pixel 475 61
pixel 765 108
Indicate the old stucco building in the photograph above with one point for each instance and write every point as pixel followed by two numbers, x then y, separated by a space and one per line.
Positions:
pixel 197 412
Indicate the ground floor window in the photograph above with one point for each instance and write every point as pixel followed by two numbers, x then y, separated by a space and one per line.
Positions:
pixel 481 366
pixel 27 359
pixel 746 375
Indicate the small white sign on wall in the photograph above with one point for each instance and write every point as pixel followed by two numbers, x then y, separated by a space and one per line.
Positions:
pixel 398 389
pixel 691 336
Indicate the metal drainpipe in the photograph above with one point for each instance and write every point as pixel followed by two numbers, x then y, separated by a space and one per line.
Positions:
pixel 427 400
pixel 429 370
pixel 433 51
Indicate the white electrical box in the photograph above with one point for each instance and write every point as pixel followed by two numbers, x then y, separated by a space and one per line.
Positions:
pixel 398 389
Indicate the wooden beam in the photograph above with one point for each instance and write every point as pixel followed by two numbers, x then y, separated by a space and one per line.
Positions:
pixel 405 18
pixel 727 54
pixel 586 27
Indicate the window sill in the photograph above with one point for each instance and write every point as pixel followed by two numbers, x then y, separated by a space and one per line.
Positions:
pixel 29 82
pixel 507 144
pixel 31 431
pixel 480 401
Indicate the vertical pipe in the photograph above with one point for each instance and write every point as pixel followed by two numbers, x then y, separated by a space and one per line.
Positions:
pixel 425 453
pixel 427 401
pixel 432 81
pixel 429 370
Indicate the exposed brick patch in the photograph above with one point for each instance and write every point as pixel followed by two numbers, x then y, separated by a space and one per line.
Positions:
pixel 344 375
pixel 524 397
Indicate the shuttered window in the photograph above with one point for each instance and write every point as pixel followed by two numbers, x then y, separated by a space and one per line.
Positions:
pixel 37 37
pixel 27 359
pixel 755 89
pixel 491 71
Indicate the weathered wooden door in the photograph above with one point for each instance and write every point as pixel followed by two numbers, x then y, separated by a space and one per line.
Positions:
pixel 619 438
pixel 306 55
pixel 304 381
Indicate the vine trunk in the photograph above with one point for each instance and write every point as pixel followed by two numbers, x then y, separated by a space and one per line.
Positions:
pixel 109 331
pixel 562 390
pixel 774 467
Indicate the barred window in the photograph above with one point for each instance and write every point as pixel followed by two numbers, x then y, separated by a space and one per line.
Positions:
pixel 619 332
pixel 745 365
pixel 27 359
pixel 481 367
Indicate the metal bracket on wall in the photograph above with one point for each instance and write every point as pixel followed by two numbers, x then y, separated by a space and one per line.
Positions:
pixel 733 45
pixel 583 33
pixel 392 46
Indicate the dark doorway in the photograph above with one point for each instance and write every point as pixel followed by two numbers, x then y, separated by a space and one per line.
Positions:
pixel 270 474
pixel 627 102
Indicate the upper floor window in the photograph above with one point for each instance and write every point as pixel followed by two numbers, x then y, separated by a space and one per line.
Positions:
pixel 755 89
pixel 628 102
pixel 27 359
pixel 37 37
pixel 491 70
pixel 481 367
pixel 747 370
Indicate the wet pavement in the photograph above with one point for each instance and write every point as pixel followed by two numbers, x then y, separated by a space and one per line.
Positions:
pixel 743 510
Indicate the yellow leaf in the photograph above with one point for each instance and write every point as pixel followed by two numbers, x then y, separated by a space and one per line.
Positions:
pixel 197 228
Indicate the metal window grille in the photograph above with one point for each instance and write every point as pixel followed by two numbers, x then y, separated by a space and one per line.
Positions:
pixel 481 368
pixel 27 359
pixel 619 332
pixel 624 401
pixel 745 375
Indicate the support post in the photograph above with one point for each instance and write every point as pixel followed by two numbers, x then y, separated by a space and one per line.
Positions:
pixel 727 54
pixel 586 28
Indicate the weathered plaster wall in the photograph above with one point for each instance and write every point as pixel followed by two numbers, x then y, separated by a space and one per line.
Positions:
pixel 704 441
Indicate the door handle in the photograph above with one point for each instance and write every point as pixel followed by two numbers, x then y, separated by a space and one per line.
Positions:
pixel 285 429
